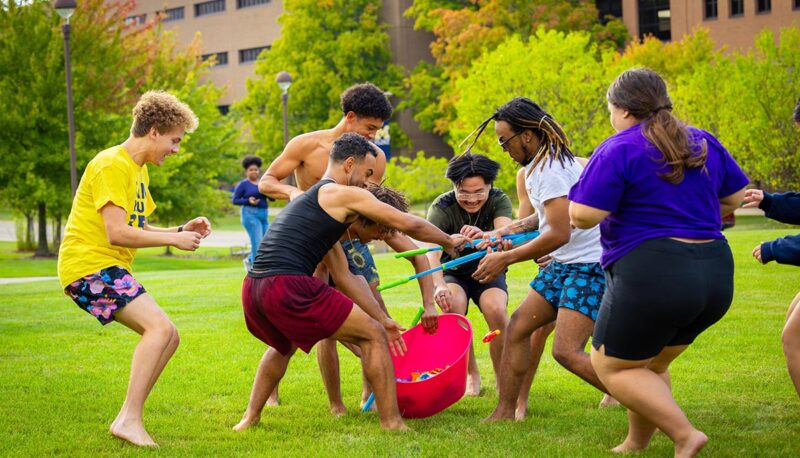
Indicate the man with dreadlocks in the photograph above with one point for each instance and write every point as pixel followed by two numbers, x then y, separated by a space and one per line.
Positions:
pixel 472 205
pixel 569 289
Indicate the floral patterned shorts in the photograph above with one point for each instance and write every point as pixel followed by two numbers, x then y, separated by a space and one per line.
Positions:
pixel 103 293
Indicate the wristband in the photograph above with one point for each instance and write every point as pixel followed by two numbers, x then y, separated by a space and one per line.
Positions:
pixel 180 228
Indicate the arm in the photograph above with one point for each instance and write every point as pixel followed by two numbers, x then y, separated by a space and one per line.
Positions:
pixel 785 250
pixel 728 204
pixel 238 195
pixel 525 206
pixel 290 159
pixel 556 212
pixel 781 207
pixel 399 243
pixel 356 288
pixel 120 234
pixel 584 216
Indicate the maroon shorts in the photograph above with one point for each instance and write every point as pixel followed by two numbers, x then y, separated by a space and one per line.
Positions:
pixel 287 310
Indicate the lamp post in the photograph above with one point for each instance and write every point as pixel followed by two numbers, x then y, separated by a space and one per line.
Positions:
pixel 284 80
pixel 65 8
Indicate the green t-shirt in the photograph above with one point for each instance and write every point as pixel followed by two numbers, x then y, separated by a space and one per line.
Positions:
pixel 447 215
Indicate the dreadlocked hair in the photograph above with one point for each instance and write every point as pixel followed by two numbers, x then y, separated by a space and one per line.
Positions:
pixel 522 113
pixel 388 196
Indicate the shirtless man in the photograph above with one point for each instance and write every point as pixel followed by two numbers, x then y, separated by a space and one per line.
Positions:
pixel 364 108
pixel 286 307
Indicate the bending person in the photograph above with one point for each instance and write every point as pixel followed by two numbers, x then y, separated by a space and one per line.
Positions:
pixel 569 289
pixel 658 188
pixel 286 307
pixel 472 207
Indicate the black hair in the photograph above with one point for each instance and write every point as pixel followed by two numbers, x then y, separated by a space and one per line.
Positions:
pixel 522 114
pixel 251 160
pixel 797 112
pixel 367 101
pixel 471 165
pixel 388 196
pixel 352 144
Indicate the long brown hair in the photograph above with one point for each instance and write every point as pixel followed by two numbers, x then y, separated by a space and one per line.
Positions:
pixel 643 93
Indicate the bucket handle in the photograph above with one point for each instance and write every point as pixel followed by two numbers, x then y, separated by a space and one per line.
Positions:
pixel 464 323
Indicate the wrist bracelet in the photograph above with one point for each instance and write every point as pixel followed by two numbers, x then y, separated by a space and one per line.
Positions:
pixel 180 228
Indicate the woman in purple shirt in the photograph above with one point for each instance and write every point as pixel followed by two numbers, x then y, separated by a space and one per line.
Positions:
pixel 658 188
pixel 254 205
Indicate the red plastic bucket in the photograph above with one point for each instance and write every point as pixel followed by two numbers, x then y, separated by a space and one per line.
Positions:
pixel 449 346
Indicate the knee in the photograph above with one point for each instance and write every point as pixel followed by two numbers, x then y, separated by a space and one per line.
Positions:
pixel 564 355
pixel 791 342
pixel 166 332
pixel 375 335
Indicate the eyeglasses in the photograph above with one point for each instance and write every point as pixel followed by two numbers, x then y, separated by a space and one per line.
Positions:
pixel 471 195
pixel 504 143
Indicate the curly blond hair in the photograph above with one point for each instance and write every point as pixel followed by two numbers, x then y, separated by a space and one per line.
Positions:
pixel 163 111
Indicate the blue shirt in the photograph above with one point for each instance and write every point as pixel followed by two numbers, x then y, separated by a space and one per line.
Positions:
pixel 623 177
pixel 786 209
pixel 244 191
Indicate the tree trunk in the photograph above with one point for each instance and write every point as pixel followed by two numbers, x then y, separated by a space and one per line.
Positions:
pixel 41 248
pixel 29 231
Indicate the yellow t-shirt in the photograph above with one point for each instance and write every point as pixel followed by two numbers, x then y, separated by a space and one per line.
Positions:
pixel 111 176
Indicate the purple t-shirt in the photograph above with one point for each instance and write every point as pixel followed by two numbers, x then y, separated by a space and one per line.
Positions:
pixel 622 177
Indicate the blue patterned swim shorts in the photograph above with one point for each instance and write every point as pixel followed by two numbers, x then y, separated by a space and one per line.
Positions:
pixel 578 287
pixel 360 260
pixel 105 292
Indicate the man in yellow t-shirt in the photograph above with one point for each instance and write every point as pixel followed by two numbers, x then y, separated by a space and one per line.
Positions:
pixel 106 225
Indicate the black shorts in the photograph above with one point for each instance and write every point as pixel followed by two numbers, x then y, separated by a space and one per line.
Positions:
pixel 474 288
pixel 663 293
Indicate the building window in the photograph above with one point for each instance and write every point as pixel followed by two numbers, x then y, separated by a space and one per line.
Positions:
pixel 251 54
pixel 607 8
pixel 248 3
pixel 214 6
pixel 138 19
pixel 224 109
pixel 737 7
pixel 222 58
pixel 710 9
pixel 654 19
pixel 173 14
pixel 763 6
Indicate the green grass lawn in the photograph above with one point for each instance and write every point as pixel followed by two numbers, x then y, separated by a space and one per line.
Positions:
pixel 63 378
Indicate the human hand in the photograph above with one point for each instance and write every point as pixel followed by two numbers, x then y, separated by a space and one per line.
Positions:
pixel 544 261
pixel 430 320
pixel 186 240
pixel 457 242
pixel 201 225
pixel 753 198
pixel 443 297
pixel 253 201
pixel 471 232
pixel 492 265
pixel 394 333
pixel 757 253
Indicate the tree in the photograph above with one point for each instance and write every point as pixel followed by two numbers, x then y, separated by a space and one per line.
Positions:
pixel 465 30
pixel 569 83
pixel 112 65
pixel 326 46
pixel 420 179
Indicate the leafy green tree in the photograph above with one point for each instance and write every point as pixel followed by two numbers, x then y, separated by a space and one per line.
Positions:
pixel 569 82
pixel 421 178
pixel 465 30
pixel 326 46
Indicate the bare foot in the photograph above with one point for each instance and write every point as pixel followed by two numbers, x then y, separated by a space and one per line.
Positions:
pixel 628 446
pixel 473 385
pixel 246 422
pixel 273 401
pixel 499 415
pixel 522 410
pixel 338 409
pixel 691 446
pixel 608 401
pixel 133 432
pixel 394 425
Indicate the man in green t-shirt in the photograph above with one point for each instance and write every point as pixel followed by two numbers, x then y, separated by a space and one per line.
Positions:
pixel 472 207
